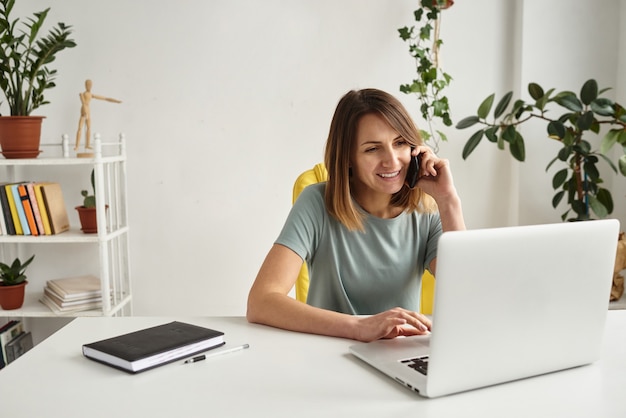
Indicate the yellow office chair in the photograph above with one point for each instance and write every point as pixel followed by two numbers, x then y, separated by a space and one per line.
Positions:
pixel 316 175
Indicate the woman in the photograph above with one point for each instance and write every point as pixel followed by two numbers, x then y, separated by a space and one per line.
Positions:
pixel 365 235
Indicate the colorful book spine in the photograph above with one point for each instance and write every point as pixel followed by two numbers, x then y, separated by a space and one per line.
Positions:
pixel 28 209
pixel 42 209
pixel 30 188
pixel 6 209
pixel 15 209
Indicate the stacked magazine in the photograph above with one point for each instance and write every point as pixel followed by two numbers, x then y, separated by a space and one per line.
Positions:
pixel 72 294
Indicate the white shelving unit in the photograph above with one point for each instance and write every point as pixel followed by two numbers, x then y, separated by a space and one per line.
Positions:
pixel 109 165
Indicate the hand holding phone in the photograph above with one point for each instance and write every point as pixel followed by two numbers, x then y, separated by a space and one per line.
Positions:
pixel 412 173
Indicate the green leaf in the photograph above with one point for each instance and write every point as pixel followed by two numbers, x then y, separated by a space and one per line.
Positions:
pixel 559 178
pixel 609 140
pixel 508 133
pixel 591 171
pixel 557 198
pixel 597 207
pixel 517 148
pixel 485 107
pixel 405 33
pixel 604 197
pixel 622 164
pixel 502 105
pixel 472 143
pixel 569 101
pixel 585 121
pixel 535 90
pixel 467 122
pixel 603 107
pixel 556 130
pixel 589 91
pixel 491 133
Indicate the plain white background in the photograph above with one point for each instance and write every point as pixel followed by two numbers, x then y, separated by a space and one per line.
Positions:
pixel 226 102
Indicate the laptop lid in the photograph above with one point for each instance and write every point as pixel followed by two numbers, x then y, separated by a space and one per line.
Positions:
pixel 510 303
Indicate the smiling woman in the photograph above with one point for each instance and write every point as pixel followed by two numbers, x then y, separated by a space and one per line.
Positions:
pixel 365 235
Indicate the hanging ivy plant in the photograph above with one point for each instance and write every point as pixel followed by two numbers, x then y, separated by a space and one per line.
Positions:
pixel 424 43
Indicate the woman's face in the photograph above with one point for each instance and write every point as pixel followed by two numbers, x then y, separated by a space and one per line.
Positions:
pixel 380 157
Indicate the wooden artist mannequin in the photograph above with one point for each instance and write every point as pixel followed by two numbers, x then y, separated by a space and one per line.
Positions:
pixel 85 113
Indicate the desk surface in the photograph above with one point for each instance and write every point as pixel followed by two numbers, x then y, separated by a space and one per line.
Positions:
pixel 283 374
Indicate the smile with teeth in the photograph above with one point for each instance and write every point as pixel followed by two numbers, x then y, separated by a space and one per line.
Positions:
pixel 389 175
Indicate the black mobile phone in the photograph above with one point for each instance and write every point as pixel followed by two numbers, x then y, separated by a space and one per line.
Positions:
pixel 412 173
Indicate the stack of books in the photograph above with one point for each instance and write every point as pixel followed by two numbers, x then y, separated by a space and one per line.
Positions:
pixel 72 294
pixel 32 208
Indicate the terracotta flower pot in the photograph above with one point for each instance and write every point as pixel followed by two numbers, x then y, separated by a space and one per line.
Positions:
pixel 12 297
pixel 88 221
pixel 20 136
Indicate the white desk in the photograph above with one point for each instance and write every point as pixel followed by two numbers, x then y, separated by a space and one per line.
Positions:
pixel 283 374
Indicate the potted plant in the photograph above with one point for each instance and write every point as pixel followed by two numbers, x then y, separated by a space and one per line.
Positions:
pixel 25 75
pixel 13 283
pixel 424 43
pixel 87 212
pixel 579 182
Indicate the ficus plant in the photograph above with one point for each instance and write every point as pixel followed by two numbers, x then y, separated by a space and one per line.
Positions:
pixel 428 86
pixel 588 113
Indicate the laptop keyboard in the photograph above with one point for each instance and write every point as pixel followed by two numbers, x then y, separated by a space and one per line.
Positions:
pixel 418 363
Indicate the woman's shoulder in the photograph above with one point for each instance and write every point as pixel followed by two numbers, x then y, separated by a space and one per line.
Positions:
pixel 313 192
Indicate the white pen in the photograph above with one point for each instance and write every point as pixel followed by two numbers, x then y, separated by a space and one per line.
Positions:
pixel 218 353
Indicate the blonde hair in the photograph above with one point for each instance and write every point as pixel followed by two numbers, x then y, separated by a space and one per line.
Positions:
pixel 341 138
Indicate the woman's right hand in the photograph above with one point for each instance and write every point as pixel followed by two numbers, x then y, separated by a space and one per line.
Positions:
pixel 390 324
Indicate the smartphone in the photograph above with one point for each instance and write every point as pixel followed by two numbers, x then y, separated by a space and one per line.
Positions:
pixel 412 173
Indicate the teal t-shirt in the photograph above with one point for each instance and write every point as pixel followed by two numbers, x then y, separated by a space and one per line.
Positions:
pixel 360 273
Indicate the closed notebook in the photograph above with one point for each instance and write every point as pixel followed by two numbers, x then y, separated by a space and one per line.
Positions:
pixel 151 347
pixel 73 288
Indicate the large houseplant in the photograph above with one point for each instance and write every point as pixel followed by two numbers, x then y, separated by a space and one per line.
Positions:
pixel 25 74
pixel 12 283
pixel 579 181
pixel 424 43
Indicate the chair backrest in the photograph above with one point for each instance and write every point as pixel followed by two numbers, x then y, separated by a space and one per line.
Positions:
pixel 319 174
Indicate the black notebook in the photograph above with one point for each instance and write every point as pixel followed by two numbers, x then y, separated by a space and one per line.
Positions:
pixel 151 347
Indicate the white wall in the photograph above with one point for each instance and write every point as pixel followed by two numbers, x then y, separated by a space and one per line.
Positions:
pixel 226 102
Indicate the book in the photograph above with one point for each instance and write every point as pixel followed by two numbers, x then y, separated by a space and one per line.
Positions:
pixel 62 303
pixel 152 347
pixel 60 310
pixel 13 208
pixel 76 288
pixel 18 346
pixel 3 225
pixel 55 205
pixel 42 211
pixel 30 188
pixel 9 331
pixel 6 210
pixel 28 209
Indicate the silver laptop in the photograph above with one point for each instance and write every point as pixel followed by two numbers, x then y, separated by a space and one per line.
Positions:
pixel 510 303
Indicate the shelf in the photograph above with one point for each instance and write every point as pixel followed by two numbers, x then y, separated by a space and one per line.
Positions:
pixel 35 309
pixel 74 235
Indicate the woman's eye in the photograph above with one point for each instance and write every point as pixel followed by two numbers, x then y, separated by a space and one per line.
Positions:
pixel 373 149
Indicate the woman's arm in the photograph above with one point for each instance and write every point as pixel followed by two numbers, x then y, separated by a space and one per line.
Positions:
pixel 436 180
pixel 270 304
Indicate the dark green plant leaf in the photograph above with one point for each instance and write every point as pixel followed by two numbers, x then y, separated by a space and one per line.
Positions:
pixel 491 133
pixel 559 178
pixel 551 162
pixel 535 90
pixel 557 199
pixel 604 197
pixel 556 130
pixel 591 171
pixel 569 101
pixel 585 120
pixel 589 91
pixel 472 143
pixel 580 208
pixel 622 164
pixel 502 105
pixel 517 148
pixel 603 107
pixel 467 122
pixel 485 107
